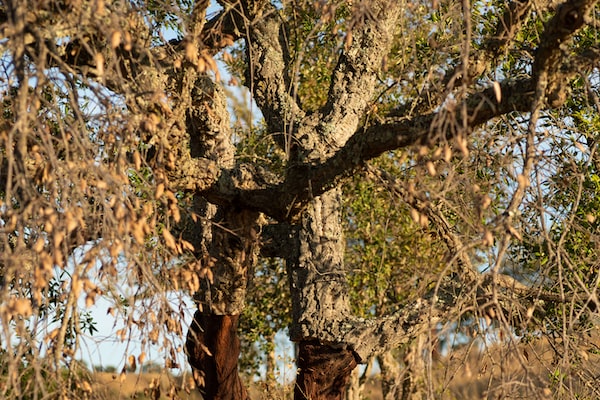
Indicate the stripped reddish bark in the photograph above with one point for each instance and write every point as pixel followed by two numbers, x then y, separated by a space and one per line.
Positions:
pixel 213 349
pixel 323 371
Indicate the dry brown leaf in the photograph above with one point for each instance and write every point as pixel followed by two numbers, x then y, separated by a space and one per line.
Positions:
pixel 191 51
pixel 169 239
pixel 415 215
pixel 58 239
pixel 137 160
pixel 205 349
pixel 127 41
pixel 116 248
pixel 86 387
pixel 226 40
pixel 121 333
pixel 210 61
pixel 115 39
pixel 132 362
pixel 486 201
pixel 52 335
pixel 462 145
pixel 497 91
pixel 431 168
pixel 175 214
pixel 187 245
pixel 100 8
pixel 99 59
pixel 153 335
pixel 515 233
pixel 488 238
pixel 137 231
pixel 58 258
pixel 21 307
pixel 38 246
pixel 71 221
pixel 49 226
pixel 160 190
pixel 90 300
pixel 581 147
pixel 101 185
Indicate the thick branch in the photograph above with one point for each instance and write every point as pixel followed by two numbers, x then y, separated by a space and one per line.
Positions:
pixel 284 200
pixel 268 70
pixel 370 337
pixel 567 20
pixel 311 180
pixel 549 56
pixel 355 76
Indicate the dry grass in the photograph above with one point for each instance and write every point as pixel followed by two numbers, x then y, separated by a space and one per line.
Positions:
pixel 143 386
pixel 518 371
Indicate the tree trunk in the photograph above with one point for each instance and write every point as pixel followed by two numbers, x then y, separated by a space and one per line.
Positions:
pixel 213 349
pixel 413 385
pixel 212 344
pixel 358 381
pixel 320 303
pixel 331 340
pixel 324 371
pixel 406 383
pixel 391 376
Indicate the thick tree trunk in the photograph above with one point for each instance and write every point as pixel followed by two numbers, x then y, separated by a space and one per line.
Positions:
pixel 212 344
pixel 320 303
pixel 213 349
pixel 331 340
pixel 324 371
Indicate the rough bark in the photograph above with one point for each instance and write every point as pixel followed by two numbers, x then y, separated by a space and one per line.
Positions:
pixel 318 277
pixel 212 343
pixel 319 300
pixel 320 307
pixel 330 144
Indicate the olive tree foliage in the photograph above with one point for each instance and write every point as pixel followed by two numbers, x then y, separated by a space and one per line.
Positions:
pixel 454 144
